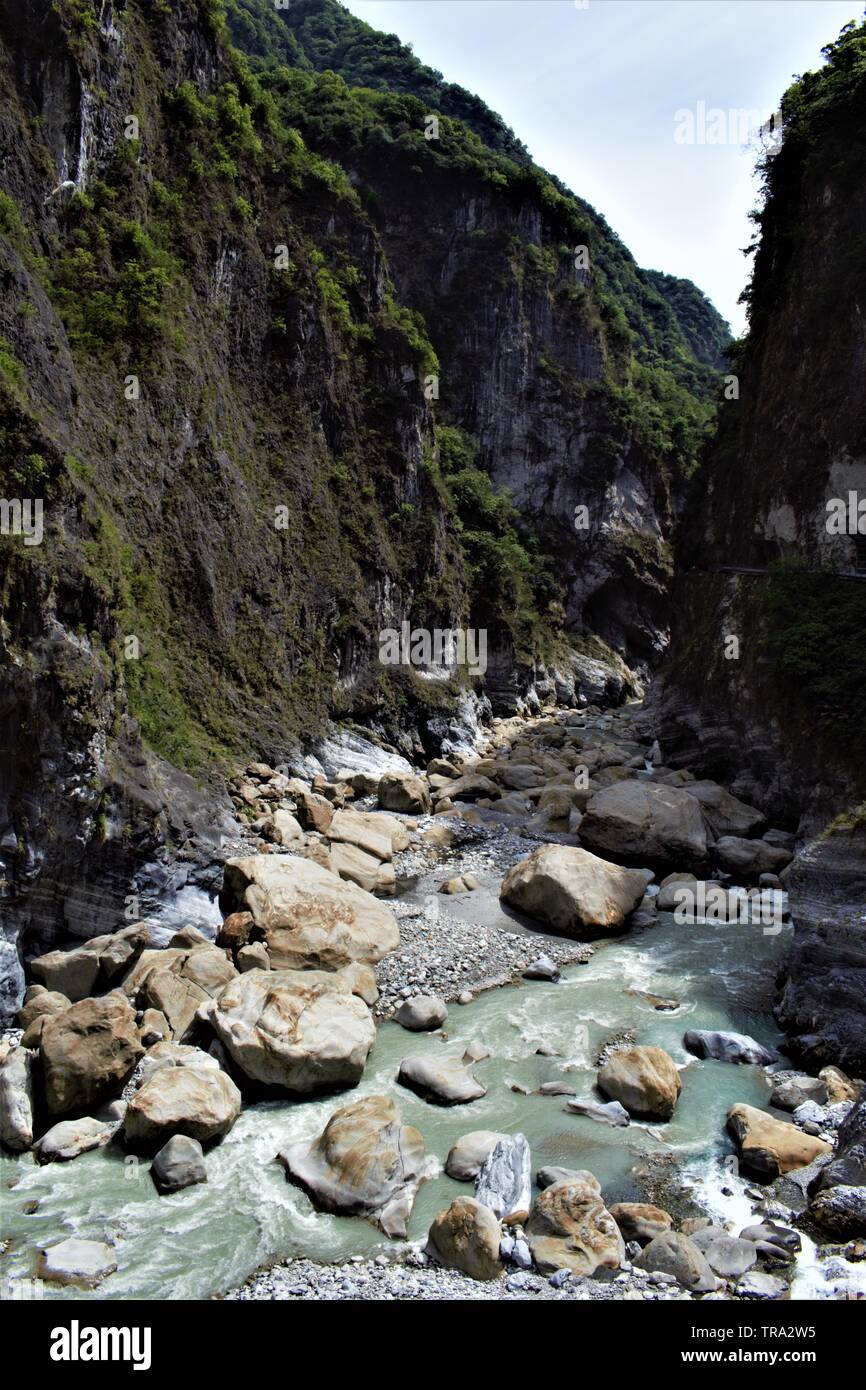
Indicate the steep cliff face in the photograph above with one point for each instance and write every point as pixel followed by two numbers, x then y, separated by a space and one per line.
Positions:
pixel 791 706
pixel 571 374
pixel 766 682
pixel 264 376
pixel 220 448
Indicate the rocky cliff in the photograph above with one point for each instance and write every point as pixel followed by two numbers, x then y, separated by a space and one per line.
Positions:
pixel 765 687
pixel 274 380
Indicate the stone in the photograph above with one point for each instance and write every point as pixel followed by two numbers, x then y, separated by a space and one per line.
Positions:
pixel 313 811
pixel 788 1242
pixel 366 870
pixel 726 1047
pixel 179 1164
pixel 41 1002
pixel 504 1179
pixel 466 1237
pixel 178 980
pixel 640 1221
pixel 88 1052
pixel 769 1146
pixel 468 1154
pixel 841 1210
pixel 439 767
pixel 309 918
pixel 475 1052
pixel 16 1099
pixel 750 858
pixel 676 1254
pixel 556 1088
pixel 569 1227
pixel 667 899
pixel 360 980
pixel 729 1257
pixel 79 973
pixel 73 1261
pixel 365 1162
pixel 837 1195
pixel 643 1079
pixel 542 968
pixel 172 1054
pixel 792 1091
pixel 572 890
pixel 838 1085
pixel 201 1102
pixel 722 812
pixel 422 1013
pixel 253 956
pixel 154 1028
pixel 611 1113
pixel 642 820
pixel 403 792
pixel 756 1284
pixel 284 830
pixel 70 1138
pixel 468 788
pixel 299 1030
pixel 356 828
pixel 546 1177
pixel 440 1080
pixel 452 885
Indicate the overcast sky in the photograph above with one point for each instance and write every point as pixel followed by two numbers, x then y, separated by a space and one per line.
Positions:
pixel 594 93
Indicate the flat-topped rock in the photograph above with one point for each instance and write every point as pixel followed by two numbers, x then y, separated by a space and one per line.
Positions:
pixel 307 916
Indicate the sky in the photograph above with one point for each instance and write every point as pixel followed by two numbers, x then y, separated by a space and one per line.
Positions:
pixel 594 90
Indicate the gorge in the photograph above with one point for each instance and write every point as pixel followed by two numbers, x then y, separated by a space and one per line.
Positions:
pixel 300 939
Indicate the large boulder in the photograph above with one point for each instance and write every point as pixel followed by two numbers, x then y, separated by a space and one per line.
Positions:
pixel 69 1138
pixel 16 1100
pixel 366 870
pixel 299 1030
pixel 469 1152
pixel 90 968
pixel 723 813
pixel 88 1052
pixel 441 1080
pixel 837 1197
pixel 40 1002
pixel 179 1164
pixel 769 1146
pixel 422 1013
pixel 676 1254
pixel 642 820
pixel 470 787
pixel 365 1162
pixel 640 1221
pixel 748 859
pixel 178 980
pixel 643 1079
pixel 504 1181
pixel 726 1047
pixel 308 918
pixel 200 1102
pixel 360 829
pixel 405 793
pixel 573 890
pixel 467 1237
pixel 569 1227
